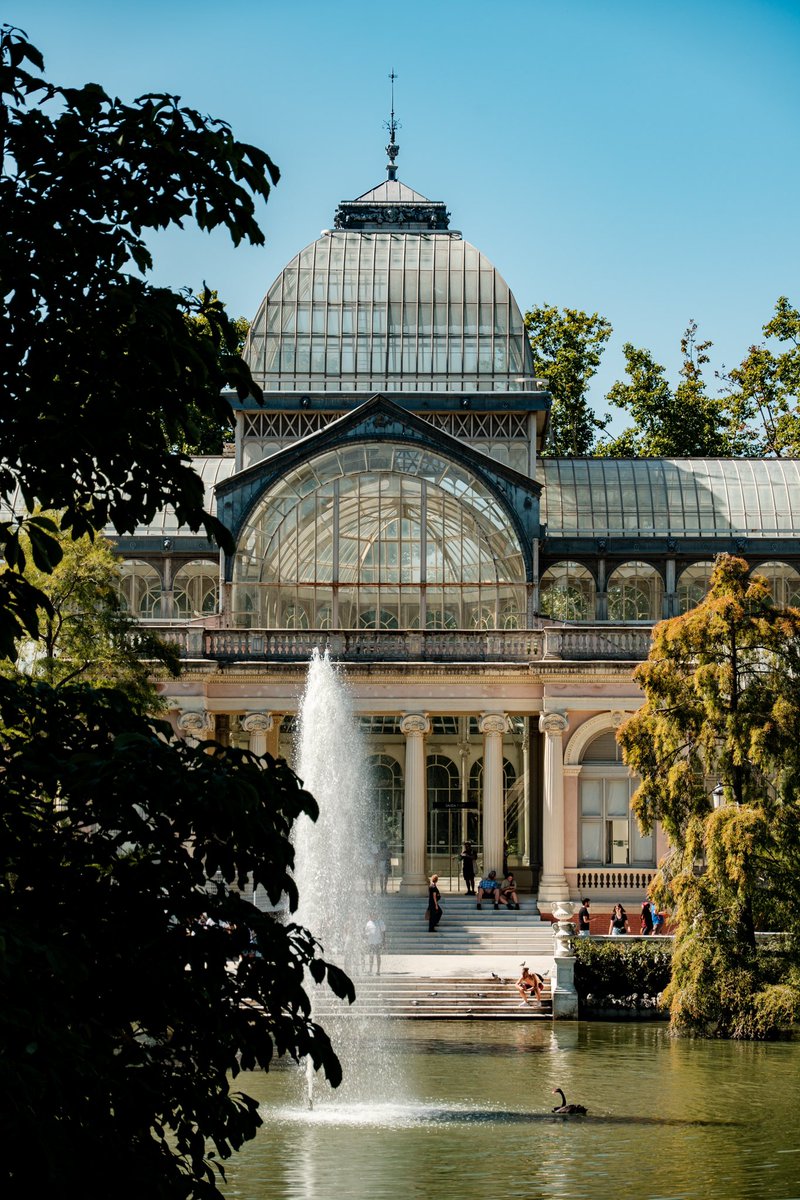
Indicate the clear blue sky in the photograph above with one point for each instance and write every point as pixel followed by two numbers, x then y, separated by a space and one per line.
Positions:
pixel 635 157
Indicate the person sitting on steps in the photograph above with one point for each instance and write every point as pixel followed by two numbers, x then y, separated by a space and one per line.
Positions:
pixel 508 891
pixel 489 889
pixel 529 986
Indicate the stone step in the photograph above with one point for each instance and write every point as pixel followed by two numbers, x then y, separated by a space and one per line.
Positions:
pixel 437 999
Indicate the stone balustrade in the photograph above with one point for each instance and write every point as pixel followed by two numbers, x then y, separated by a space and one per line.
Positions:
pixel 568 643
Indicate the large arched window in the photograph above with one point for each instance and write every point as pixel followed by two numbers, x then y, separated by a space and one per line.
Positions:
pixel 444 799
pixel 783 580
pixel 567 592
pixel 609 833
pixel 140 589
pixel 195 589
pixel 693 585
pixel 635 593
pixel 386 782
pixel 383 537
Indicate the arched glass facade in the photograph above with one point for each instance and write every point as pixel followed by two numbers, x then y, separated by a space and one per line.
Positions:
pixel 567 593
pixel 380 536
pixel 405 311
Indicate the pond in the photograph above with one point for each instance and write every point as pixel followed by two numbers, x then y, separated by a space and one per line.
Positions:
pixel 437 1110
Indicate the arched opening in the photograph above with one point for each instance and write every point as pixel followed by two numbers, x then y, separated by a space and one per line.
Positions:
pixel 608 832
pixel 195 589
pixel 140 590
pixel 567 592
pixel 635 593
pixel 783 580
pixel 692 586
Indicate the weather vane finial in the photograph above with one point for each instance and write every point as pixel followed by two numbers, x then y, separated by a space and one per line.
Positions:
pixel 392 149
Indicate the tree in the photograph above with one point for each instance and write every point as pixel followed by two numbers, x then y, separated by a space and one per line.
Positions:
pixel 85 635
pixel 205 432
pixel 122 1015
pixel 100 370
pixel 666 423
pixel 763 392
pixel 722 704
pixel 124 1010
pixel 567 347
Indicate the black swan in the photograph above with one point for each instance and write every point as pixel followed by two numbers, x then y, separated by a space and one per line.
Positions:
pixel 564 1109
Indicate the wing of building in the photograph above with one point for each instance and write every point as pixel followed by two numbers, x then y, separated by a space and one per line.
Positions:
pixel 388 501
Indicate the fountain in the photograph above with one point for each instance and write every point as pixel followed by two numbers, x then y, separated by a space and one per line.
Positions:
pixel 331 855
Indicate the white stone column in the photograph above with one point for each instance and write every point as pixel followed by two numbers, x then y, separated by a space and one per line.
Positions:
pixel 258 725
pixel 526 796
pixel 414 726
pixel 493 726
pixel 196 726
pixel 553 885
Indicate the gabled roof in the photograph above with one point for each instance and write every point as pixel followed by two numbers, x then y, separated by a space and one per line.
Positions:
pixel 391 191
pixel 380 419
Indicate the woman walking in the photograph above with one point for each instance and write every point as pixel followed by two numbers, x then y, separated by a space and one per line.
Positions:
pixel 434 904
pixel 618 925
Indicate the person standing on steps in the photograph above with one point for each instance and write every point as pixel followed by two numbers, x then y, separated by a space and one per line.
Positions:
pixel 467 857
pixel 375 939
pixel 434 904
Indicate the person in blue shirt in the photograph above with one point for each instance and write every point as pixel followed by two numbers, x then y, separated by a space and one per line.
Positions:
pixel 489 889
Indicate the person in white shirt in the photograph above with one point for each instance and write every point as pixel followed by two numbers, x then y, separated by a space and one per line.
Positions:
pixel 375 939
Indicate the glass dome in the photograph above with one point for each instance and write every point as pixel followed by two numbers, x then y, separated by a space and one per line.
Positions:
pixel 389 311
pixel 379 537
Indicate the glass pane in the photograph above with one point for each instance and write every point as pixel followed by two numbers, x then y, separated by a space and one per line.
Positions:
pixel 617 842
pixel 591 838
pixel 617 797
pixel 591 797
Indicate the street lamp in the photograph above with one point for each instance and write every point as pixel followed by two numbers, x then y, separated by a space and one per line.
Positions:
pixel 719 796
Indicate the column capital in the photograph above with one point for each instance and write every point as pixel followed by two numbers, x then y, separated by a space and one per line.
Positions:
pixel 257 722
pixel 415 723
pixel 552 723
pixel 195 724
pixel 493 722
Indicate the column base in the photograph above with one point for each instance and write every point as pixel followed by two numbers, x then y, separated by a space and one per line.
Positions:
pixel 414 885
pixel 552 888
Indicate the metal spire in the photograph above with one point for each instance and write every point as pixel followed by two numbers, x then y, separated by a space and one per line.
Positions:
pixel 392 149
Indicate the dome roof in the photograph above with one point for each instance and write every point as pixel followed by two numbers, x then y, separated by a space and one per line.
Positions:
pixel 390 300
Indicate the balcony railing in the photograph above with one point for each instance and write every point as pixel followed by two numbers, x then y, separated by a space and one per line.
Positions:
pixel 576 643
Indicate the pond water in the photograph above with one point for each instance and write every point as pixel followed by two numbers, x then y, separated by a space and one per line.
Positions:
pixel 438 1110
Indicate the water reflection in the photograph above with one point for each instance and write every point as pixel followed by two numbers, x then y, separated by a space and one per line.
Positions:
pixel 668 1120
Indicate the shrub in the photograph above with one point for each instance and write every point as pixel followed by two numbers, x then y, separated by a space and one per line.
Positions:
pixel 621 969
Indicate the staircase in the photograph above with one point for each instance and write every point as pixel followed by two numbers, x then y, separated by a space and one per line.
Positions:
pixel 463 930
pixel 437 999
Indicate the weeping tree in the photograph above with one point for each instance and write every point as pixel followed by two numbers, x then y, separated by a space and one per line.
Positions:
pixel 716 748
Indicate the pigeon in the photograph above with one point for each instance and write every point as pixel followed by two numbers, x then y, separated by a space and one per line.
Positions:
pixel 496 978
pixel 433 993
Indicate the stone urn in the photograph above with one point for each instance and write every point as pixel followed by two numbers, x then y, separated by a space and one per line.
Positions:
pixel 563 928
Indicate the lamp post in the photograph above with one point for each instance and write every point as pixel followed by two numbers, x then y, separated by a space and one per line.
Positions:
pixel 719 796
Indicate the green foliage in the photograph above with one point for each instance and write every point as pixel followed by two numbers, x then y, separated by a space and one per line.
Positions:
pixel 567 347
pixel 666 423
pixel 84 634
pixel 205 432
pixel 722 703
pixel 100 369
pixel 763 392
pixel 621 968
pixel 123 1014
